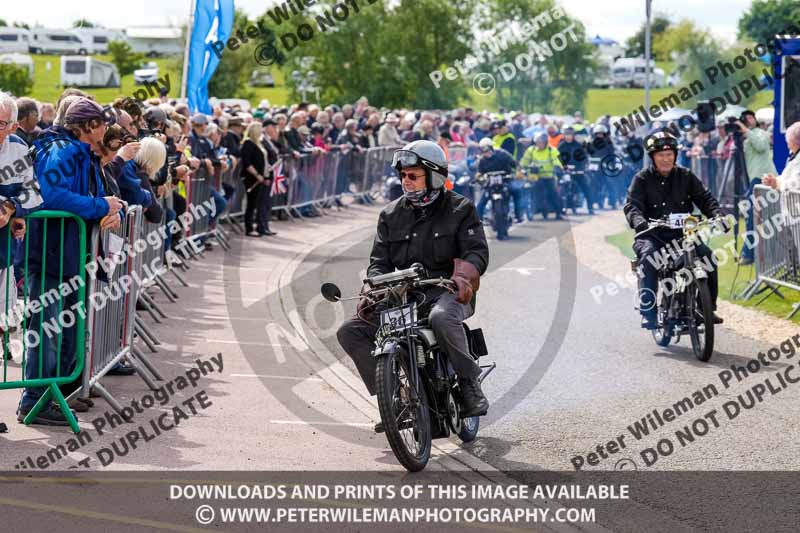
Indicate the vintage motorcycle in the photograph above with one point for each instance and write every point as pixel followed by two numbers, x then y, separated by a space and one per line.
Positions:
pixel 570 195
pixel 683 300
pixel 417 388
pixel 496 185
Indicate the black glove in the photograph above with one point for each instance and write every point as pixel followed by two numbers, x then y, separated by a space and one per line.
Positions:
pixel 641 226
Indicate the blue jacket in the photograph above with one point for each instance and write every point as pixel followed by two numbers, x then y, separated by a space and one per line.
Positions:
pixel 130 186
pixel 69 177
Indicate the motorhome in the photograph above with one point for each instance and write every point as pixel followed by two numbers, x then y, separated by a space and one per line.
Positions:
pixel 80 71
pixel 154 42
pixel 631 72
pixel 96 40
pixel 47 41
pixel 14 40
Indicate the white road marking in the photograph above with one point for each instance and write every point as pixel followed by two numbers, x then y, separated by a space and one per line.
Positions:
pixel 525 271
pixel 293 378
pixel 245 343
pixel 304 423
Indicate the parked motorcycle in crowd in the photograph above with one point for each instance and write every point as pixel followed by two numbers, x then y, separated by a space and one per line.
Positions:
pixel 417 388
pixel 497 185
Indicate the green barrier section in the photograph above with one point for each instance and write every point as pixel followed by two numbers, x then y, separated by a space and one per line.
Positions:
pixel 52 392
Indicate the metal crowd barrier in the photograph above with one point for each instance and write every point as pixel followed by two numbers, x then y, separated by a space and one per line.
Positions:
pixel 112 308
pixel 776 253
pixel 717 174
pixel 30 330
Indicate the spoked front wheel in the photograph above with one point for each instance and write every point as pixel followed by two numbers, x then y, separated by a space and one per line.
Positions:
pixel 404 412
pixel 700 319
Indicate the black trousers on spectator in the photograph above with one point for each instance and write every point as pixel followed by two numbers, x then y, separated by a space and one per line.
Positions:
pixel 264 206
pixel 259 205
pixel 252 205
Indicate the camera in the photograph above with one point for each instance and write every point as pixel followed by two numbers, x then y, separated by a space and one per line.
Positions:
pixel 732 126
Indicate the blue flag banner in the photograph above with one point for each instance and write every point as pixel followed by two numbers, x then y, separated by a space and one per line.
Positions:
pixel 213 21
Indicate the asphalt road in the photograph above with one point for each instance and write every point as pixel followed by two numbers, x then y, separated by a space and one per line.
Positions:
pixel 574 374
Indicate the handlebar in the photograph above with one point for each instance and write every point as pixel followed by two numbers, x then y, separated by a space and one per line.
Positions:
pixel 655 223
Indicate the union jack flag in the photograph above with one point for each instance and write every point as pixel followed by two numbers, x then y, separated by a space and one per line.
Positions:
pixel 278 179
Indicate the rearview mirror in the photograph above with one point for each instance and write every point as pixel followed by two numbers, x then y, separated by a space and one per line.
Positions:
pixel 330 292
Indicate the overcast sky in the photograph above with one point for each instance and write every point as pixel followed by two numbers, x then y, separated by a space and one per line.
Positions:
pixel 618 19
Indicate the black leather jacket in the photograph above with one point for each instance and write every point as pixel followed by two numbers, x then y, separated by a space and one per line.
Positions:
pixel 449 228
pixel 652 195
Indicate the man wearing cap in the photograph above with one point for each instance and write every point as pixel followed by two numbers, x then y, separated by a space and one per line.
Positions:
pixel 203 149
pixel 66 161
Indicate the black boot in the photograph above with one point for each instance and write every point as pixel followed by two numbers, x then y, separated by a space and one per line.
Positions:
pixel 473 402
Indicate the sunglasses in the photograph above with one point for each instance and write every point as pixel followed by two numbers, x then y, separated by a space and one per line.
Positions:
pixel 410 175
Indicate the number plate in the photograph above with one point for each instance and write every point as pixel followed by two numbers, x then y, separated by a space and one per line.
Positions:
pixel 495 180
pixel 398 319
pixel 566 178
pixel 676 220
pixel 594 167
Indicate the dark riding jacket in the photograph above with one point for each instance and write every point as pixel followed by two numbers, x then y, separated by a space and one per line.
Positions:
pixel 652 195
pixel 434 235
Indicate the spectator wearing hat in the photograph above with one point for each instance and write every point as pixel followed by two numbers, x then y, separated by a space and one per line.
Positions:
pixel 68 166
pixel 388 134
pixel 203 149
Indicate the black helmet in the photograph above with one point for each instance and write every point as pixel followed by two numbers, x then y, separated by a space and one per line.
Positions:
pixel 659 141
pixel 425 154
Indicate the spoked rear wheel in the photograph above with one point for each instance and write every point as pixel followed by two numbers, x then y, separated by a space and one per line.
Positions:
pixel 663 333
pixel 404 413
pixel 700 319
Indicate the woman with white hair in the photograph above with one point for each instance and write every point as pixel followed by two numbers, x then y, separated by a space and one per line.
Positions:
pixel 134 183
pixel 789 180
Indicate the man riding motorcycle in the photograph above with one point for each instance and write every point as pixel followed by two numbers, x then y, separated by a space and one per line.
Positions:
pixel 599 148
pixel 656 192
pixel 546 165
pixel 497 161
pixel 440 229
pixel 573 153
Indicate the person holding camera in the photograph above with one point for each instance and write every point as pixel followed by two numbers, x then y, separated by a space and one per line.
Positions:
pixel 758 160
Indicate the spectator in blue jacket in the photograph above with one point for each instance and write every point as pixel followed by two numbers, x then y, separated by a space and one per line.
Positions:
pixel 69 172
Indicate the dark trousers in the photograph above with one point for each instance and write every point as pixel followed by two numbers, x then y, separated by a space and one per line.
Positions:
pixel 645 247
pixel 357 337
pixel 547 196
pixel 259 205
pixel 583 185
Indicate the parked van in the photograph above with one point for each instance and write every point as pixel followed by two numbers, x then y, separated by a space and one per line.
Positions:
pixel 14 40
pixel 44 41
pixel 80 71
pixel 96 40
